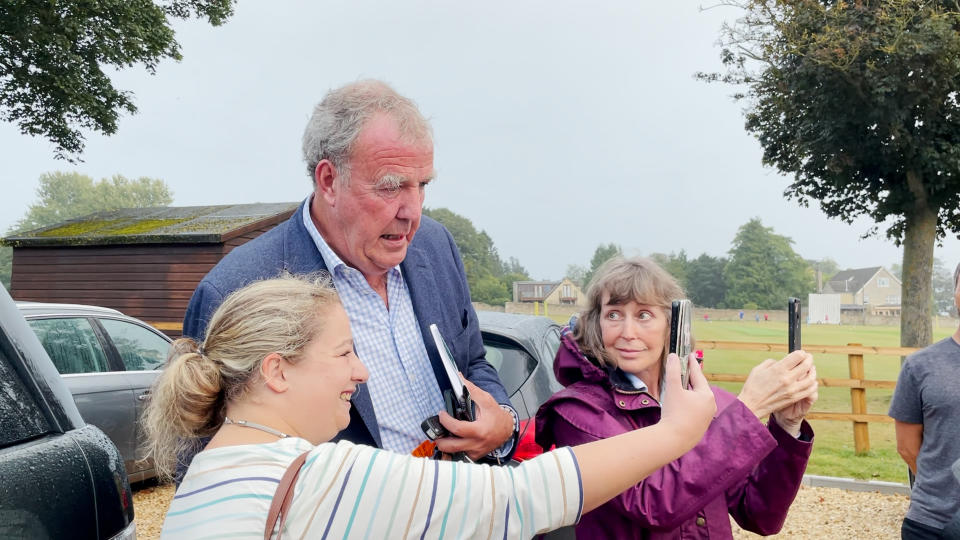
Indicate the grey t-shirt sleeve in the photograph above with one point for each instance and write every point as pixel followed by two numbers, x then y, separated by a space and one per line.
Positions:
pixel 905 405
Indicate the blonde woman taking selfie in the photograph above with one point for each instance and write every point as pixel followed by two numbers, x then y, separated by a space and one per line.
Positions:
pixel 272 381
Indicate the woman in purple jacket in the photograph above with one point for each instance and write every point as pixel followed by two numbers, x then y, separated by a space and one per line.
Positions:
pixel 612 366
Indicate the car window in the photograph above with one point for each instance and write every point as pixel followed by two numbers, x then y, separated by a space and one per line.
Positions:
pixel 139 348
pixel 551 340
pixel 512 363
pixel 71 344
pixel 20 416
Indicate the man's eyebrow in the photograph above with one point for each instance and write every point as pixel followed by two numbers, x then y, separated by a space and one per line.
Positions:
pixel 397 180
pixel 390 181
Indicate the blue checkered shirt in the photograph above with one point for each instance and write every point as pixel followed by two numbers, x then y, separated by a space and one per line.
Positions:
pixel 403 386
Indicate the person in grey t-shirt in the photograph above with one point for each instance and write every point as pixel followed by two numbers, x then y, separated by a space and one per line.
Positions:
pixel 926 408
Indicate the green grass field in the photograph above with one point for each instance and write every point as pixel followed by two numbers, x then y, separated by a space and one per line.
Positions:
pixel 833 451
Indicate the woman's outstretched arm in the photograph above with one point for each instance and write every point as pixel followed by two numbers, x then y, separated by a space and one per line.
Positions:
pixel 609 466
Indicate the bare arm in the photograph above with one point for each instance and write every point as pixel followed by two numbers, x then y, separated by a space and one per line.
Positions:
pixel 909 439
pixel 609 466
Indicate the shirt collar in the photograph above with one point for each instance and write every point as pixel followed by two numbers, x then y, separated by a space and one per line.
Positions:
pixel 330 258
pixel 635 381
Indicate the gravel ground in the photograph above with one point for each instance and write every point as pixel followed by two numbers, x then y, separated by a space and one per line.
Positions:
pixel 817 513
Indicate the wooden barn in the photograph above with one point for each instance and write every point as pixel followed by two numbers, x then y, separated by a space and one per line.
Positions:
pixel 145 262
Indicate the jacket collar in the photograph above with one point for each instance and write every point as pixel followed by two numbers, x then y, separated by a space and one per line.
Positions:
pixel 572 366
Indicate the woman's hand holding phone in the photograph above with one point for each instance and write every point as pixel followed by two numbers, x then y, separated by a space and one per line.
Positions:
pixel 687 409
pixel 609 466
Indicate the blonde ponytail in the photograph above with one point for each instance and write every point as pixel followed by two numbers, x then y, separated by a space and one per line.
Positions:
pixel 189 398
pixel 186 402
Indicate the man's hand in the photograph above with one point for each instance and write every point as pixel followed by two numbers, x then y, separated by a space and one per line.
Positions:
pixel 773 385
pixel 491 428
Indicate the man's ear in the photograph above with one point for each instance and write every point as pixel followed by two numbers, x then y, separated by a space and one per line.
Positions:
pixel 325 181
pixel 273 370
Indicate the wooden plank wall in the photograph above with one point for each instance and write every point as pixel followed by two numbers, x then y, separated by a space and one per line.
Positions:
pixel 152 282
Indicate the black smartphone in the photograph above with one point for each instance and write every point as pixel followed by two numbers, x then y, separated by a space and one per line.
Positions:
pixel 793 324
pixel 681 314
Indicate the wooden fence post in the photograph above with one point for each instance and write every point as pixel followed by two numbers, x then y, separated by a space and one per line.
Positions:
pixel 858 400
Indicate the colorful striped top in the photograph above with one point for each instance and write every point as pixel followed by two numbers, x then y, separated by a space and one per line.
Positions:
pixel 351 491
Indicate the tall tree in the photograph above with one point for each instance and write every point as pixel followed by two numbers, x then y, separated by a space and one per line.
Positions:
pixel 764 269
pixel 53 58
pixel 827 267
pixel 943 299
pixel 66 195
pixel 896 270
pixel 676 264
pixel 705 282
pixel 576 274
pixel 602 254
pixel 490 279
pixel 858 101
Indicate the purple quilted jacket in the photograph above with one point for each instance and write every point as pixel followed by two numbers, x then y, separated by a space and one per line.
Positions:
pixel 741 467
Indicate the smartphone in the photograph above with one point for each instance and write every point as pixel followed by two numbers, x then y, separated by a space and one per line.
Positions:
pixel 681 314
pixel 456 399
pixel 793 324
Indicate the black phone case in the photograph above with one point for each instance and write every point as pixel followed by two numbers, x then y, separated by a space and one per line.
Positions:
pixel 432 427
pixel 793 324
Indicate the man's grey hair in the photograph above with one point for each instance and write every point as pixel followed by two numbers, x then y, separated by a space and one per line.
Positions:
pixel 338 119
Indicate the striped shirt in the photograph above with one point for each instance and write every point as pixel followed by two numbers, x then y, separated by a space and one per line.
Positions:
pixel 403 386
pixel 353 491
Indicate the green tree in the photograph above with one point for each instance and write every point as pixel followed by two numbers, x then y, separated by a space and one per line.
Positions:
pixel 858 102
pixel 943 299
pixel 602 254
pixel 763 269
pixel 705 283
pixel 490 279
pixel 827 267
pixel 896 270
pixel 53 58
pixel 676 264
pixel 576 274
pixel 66 195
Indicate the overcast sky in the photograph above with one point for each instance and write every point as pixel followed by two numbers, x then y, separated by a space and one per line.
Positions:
pixel 558 125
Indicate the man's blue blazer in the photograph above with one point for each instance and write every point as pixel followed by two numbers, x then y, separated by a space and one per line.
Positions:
pixel 434 275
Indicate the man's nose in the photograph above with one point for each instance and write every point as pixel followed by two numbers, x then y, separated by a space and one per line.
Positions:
pixel 411 203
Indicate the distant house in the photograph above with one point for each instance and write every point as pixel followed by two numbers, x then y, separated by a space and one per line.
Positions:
pixel 873 290
pixel 146 262
pixel 563 292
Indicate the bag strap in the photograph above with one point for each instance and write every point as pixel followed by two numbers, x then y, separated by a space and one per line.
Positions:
pixel 283 496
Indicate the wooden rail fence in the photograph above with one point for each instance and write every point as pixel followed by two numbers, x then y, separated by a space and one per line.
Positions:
pixel 857 384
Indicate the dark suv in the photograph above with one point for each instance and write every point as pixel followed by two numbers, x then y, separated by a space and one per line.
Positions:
pixel 59 477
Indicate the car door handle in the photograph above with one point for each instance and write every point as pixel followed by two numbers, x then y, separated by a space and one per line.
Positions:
pixel 144 396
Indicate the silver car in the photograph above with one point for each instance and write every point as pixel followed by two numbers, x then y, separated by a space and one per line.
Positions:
pixel 109 362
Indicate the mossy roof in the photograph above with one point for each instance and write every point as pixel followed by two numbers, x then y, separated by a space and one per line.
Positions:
pixel 157 225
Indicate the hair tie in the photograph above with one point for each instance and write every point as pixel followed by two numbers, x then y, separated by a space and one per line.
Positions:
pixel 200 350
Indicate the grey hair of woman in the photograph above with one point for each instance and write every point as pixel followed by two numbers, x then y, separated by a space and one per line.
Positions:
pixel 621 280
pixel 337 121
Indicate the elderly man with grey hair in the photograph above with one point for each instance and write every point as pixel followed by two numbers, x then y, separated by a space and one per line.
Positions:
pixel 369 154
pixel 926 408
